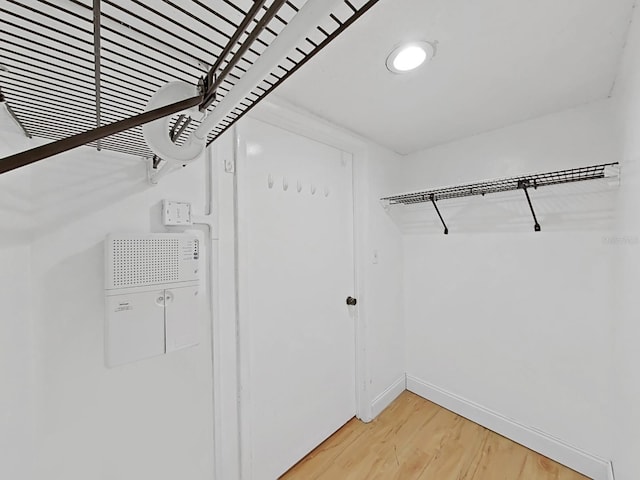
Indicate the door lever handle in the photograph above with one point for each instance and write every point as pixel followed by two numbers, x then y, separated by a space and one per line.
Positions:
pixel 351 301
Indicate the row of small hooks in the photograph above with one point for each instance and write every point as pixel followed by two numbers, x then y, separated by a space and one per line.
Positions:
pixel 299 186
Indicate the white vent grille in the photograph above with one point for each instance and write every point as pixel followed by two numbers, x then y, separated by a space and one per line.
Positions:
pixel 138 262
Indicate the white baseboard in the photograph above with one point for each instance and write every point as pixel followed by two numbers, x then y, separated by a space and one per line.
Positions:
pixel 385 399
pixel 536 440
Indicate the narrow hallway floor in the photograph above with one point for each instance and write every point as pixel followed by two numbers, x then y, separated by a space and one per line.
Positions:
pixel 415 439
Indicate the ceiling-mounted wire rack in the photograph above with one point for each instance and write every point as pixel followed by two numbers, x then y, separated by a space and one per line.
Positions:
pixel 524 183
pixel 73 65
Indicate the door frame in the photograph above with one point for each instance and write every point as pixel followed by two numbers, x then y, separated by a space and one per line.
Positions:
pixel 280 114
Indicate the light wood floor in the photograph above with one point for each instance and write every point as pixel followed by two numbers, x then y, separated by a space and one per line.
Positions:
pixel 415 439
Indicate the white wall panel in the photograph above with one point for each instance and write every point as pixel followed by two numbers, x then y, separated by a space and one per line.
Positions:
pixel 515 321
pixel 626 373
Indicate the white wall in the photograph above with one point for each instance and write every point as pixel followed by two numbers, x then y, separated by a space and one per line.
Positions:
pixel 627 327
pixel 17 375
pixel 383 296
pixel 70 417
pixel 514 321
pixel 151 419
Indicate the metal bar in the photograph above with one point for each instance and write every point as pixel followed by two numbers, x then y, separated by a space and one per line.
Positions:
pixel 117 145
pixel 196 18
pixel 40 153
pixel 240 30
pixel 62 130
pixel 72 126
pixel 102 27
pixel 74 66
pixel 210 93
pixel 523 185
pixel 109 74
pixel 173 21
pixel 97 62
pixel 53 113
pixel 125 30
pixel 176 135
pixel 435 205
pixel 34 92
pixel 172 132
pixel 67 83
pixel 304 60
pixel 226 20
pixel 123 108
pixel 350 5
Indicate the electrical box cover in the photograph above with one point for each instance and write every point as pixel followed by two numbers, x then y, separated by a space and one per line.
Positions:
pixel 152 295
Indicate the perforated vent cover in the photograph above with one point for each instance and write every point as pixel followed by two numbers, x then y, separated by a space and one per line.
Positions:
pixel 145 262
pixel 150 260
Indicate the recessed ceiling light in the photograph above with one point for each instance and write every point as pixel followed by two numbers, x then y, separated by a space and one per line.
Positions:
pixel 409 56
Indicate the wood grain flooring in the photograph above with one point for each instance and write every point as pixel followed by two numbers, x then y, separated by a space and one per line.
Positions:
pixel 415 439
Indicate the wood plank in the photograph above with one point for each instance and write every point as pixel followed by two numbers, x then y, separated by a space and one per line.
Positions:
pixel 415 439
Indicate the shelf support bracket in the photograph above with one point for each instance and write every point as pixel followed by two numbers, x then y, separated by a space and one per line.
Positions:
pixel 13 115
pixel 524 184
pixel 435 205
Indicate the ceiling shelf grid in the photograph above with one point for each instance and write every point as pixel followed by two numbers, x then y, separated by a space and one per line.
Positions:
pixel 66 70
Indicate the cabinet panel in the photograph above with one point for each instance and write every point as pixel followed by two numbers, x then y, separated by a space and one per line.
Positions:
pixel 135 327
pixel 182 312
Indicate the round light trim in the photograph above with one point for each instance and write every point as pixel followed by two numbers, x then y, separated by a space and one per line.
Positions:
pixel 409 56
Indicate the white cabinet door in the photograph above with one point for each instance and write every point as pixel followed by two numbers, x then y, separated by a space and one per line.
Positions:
pixel 134 327
pixel 182 312
pixel 296 270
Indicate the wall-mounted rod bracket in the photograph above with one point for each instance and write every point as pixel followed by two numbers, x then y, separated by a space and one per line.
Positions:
pixel 432 198
pixel 524 184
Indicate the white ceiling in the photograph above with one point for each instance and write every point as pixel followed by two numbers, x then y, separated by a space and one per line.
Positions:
pixel 498 62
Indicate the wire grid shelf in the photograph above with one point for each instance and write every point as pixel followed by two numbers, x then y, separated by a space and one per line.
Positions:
pixel 61 75
pixel 506 184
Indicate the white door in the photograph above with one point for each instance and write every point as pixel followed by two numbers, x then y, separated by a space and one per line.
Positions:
pixel 296 269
